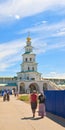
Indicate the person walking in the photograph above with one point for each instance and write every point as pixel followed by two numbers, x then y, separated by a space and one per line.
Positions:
pixel 4 95
pixel 42 111
pixel 8 95
pixel 33 101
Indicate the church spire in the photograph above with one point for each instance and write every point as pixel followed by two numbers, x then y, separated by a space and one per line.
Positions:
pixel 28 40
pixel 28 47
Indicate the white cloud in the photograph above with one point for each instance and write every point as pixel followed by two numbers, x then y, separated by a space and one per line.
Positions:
pixel 17 16
pixel 41 47
pixel 10 53
pixel 23 8
pixel 38 46
pixel 56 46
pixel 54 75
pixel 60 33
pixel 44 47
pixel 46 30
pixel 11 48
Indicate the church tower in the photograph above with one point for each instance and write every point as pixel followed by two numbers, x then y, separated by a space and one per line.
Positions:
pixel 29 65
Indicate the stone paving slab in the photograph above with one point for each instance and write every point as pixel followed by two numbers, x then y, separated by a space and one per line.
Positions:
pixel 17 115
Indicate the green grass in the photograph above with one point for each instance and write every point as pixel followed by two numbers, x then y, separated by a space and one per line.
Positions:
pixel 24 98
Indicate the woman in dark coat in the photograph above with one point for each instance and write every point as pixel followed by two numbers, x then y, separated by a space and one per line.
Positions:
pixel 42 99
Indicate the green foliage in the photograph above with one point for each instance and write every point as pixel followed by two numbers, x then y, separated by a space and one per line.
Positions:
pixel 24 98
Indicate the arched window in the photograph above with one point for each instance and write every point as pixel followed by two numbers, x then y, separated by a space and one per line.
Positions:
pixel 30 59
pixel 44 86
pixel 33 68
pixel 28 68
pixel 26 59
pixel 20 78
pixel 27 78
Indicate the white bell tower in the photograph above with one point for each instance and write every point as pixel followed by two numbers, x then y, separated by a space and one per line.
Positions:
pixel 29 65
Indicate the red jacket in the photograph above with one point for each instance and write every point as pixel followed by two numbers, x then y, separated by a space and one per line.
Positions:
pixel 33 97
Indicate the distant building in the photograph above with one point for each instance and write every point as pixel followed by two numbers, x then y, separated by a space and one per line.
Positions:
pixel 8 83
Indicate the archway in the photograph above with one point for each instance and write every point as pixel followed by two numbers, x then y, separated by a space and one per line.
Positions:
pixel 22 88
pixel 34 86
pixel 45 86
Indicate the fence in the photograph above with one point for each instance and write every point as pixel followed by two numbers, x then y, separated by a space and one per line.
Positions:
pixel 55 102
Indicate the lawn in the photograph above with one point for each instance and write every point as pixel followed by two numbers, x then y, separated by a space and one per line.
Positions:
pixel 24 97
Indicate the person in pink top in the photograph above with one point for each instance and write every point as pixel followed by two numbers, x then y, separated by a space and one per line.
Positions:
pixel 33 101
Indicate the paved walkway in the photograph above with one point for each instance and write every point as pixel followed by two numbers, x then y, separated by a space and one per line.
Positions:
pixel 17 115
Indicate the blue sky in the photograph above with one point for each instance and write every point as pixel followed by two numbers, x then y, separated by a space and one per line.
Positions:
pixel 45 20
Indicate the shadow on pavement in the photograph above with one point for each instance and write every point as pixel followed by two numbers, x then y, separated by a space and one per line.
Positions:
pixel 31 118
pixel 57 119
